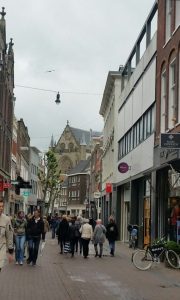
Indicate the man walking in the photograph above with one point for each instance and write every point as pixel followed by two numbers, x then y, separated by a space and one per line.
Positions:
pixel 6 236
pixel 35 229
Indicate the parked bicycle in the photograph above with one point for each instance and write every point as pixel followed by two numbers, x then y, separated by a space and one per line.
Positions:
pixel 157 252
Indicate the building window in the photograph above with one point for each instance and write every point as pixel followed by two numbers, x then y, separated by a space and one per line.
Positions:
pixel 177 21
pixel 71 147
pixel 168 18
pixel 163 102
pixel 141 130
pixel 171 101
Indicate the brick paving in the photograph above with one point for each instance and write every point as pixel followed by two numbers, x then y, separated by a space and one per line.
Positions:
pixel 62 277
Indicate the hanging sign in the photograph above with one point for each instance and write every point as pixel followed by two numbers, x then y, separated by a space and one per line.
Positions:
pixel 108 188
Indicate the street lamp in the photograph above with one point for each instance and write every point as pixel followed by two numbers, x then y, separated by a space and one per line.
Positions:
pixel 57 101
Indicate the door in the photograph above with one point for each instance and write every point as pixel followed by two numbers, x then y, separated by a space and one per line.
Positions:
pixel 146 220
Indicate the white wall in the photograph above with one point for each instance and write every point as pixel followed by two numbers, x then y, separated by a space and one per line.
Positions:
pixel 137 96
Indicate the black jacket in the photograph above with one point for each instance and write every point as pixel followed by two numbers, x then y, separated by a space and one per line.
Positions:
pixel 35 229
pixel 112 231
pixel 63 230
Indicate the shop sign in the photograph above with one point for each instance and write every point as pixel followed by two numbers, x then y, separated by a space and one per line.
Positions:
pixel 123 167
pixel 170 140
pixel 167 155
pixel 108 188
pixel 7 185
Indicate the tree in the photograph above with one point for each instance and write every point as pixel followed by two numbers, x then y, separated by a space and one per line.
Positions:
pixel 50 180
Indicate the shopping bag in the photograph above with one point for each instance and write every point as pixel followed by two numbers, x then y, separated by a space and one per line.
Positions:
pixel 67 248
pixel 42 248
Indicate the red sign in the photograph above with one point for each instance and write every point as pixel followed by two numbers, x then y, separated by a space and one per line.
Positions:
pixel 123 167
pixel 108 188
pixel 7 185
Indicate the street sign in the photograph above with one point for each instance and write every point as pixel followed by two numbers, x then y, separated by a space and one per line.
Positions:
pixel 26 193
pixel 170 140
pixel 123 167
pixel 14 182
pixel 97 195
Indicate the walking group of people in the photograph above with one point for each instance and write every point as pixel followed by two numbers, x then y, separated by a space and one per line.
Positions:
pixel 76 233
pixel 22 232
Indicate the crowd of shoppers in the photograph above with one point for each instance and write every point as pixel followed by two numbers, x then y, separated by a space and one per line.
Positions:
pixel 73 233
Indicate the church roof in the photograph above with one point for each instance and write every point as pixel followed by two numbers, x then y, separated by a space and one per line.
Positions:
pixel 80 167
pixel 87 135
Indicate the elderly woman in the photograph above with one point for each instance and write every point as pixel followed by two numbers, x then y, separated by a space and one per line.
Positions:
pixel 99 237
pixel 86 235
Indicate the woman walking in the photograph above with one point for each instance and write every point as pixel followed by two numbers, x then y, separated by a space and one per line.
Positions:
pixel 112 234
pixel 86 235
pixel 99 237
pixel 20 224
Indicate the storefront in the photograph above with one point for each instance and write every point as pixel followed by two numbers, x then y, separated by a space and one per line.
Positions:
pixel 167 191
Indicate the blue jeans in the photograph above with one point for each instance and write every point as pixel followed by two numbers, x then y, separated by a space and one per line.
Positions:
pixel 33 245
pixel 112 246
pixel 20 241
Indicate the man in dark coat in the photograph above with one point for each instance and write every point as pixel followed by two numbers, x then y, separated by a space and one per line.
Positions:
pixel 63 232
pixel 35 229
pixel 112 234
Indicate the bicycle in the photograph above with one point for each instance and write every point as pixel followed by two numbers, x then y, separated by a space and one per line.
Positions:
pixel 157 252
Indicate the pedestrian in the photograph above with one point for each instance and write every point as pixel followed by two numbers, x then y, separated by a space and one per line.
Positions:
pixel 99 237
pixel 112 234
pixel 20 224
pixel 86 235
pixel 78 241
pixel 46 227
pixel 54 225
pixel 63 233
pixel 92 222
pixel 35 229
pixel 72 235
pixel 6 237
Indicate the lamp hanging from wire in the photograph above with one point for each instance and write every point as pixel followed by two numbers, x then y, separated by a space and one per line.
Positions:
pixel 58 101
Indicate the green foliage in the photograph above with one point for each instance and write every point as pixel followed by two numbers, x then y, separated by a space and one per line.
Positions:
pixel 171 245
pixel 50 178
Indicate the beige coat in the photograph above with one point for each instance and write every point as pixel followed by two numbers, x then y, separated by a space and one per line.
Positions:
pixel 86 231
pixel 6 238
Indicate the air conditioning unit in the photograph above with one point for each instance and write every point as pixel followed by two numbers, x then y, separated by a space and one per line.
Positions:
pixel 175 180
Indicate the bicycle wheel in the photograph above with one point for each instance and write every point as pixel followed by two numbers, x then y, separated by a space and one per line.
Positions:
pixel 173 259
pixel 142 259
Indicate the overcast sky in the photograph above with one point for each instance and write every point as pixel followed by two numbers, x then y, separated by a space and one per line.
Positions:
pixel 81 40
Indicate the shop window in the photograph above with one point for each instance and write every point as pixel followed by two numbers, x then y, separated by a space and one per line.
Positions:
pixel 163 102
pixel 171 100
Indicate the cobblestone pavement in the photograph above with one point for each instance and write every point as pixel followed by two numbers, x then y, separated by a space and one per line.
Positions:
pixel 62 277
